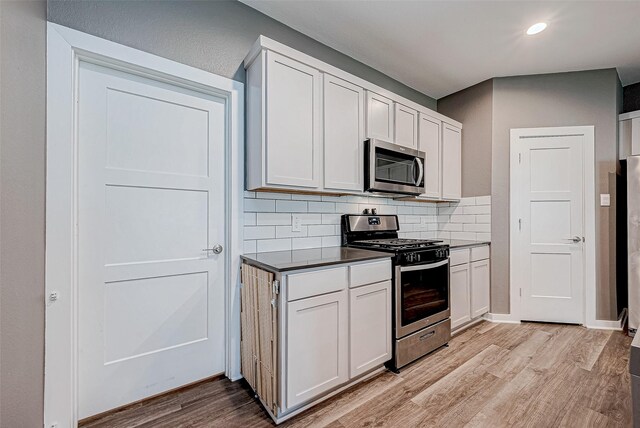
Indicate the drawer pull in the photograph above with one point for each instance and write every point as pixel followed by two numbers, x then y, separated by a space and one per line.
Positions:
pixel 427 335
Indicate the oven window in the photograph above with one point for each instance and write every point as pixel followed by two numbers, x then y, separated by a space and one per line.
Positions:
pixel 393 167
pixel 423 293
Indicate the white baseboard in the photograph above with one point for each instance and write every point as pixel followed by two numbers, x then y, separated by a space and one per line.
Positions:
pixel 500 318
pixel 617 325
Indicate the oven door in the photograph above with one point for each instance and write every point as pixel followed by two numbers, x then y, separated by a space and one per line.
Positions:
pixel 395 169
pixel 422 296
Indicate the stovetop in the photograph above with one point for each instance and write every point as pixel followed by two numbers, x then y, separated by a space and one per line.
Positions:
pixel 397 243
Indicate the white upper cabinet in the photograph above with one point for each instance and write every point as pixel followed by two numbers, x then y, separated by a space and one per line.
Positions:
pixel 406 126
pixel 343 135
pixel 380 112
pixel 306 123
pixel 451 162
pixel 429 133
pixel 293 103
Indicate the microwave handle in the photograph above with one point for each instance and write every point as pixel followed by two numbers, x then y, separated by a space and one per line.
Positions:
pixel 420 170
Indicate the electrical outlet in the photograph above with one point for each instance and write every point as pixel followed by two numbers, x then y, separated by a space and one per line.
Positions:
pixel 605 200
pixel 296 224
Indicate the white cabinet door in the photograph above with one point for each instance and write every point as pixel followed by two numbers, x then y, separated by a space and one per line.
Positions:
pixel 343 135
pixel 429 142
pixel 406 126
pixel 293 115
pixel 379 117
pixel 459 293
pixel 317 346
pixel 370 338
pixel 480 287
pixel 451 162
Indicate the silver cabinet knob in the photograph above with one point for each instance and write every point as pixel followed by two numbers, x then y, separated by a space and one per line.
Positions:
pixel 216 249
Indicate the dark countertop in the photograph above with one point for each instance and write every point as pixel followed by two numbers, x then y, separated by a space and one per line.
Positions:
pixel 459 243
pixel 634 360
pixel 281 261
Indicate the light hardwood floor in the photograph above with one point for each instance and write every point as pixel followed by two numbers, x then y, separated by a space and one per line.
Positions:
pixel 492 375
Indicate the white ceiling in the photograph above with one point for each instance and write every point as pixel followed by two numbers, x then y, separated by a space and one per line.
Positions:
pixel 440 47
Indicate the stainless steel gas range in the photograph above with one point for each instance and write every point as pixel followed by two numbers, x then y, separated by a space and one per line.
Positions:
pixel 421 284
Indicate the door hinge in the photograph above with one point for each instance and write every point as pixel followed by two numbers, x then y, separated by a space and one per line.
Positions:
pixel 521 292
pixel 520 224
pixel 519 157
pixel 276 286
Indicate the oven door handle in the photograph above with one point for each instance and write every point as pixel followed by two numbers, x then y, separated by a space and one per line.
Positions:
pixel 424 267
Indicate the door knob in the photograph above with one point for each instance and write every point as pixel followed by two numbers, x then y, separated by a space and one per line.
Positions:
pixel 575 239
pixel 216 249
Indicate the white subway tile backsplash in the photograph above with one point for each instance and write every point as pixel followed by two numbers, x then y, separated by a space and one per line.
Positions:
pixel 484 227
pixel 483 218
pixel 467 236
pixel 249 219
pixel 273 219
pixel 249 247
pixel 259 205
pixel 331 241
pixel 291 206
pixel 287 232
pixel 269 219
pixel 347 208
pixel 259 232
pixel 477 209
pixel 405 210
pixel 266 245
pixel 309 218
pixel 331 218
pixel 322 207
pixel 304 243
pixel 321 230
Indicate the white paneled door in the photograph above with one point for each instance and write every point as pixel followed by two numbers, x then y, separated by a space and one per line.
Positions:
pixel 550 218
pixel 150 204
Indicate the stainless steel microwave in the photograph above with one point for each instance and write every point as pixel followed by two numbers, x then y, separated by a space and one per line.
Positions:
pixel 391 168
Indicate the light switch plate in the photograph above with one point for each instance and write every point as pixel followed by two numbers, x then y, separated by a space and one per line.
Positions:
pixel 296 223
pixel 605 200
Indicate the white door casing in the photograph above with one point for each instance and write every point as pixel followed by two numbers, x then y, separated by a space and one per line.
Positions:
pixel 150 200
pixel 69 54
pixel 552 202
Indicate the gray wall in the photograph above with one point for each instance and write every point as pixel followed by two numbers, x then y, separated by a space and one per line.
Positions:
pixel 211 35
pixel 22 186
pixel 474 108
pixel 565 99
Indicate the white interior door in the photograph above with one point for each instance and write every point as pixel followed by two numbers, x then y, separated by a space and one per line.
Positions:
pixel 550 217
pixel 150 200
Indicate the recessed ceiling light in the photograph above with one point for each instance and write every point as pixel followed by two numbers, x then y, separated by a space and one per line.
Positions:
pixel 536 28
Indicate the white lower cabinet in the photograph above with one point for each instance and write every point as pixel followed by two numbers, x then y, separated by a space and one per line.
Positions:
pixel 337 327
pixel 470 284
pixel 459 282
pixel 370 327
pixel 480 287
pixel 317 351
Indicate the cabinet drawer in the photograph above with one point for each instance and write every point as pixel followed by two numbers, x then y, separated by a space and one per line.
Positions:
pixel 479 253
pixel 307 284
pixel 458 257
pixel 368 273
